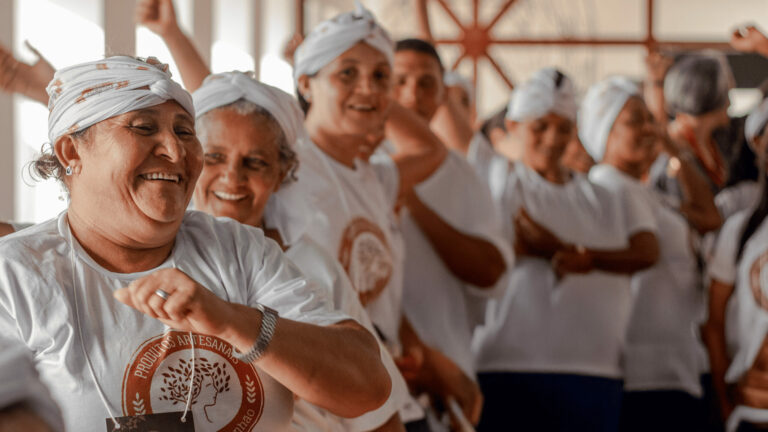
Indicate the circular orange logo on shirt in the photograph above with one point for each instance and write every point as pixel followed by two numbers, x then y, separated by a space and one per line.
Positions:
pixel 226 394
pixel 366 257
pixel 758 280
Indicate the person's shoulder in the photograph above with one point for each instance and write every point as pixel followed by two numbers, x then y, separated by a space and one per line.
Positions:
pixel 307 248
pixel 205 232
pixel 30 242
pixel 212 228
pixel 735 223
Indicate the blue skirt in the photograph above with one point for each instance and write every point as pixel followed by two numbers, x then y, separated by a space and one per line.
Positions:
pixel 549 402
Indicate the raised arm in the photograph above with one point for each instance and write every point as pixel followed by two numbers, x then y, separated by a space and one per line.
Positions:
pixel 656 67
pixel 419 151
pixel 160 17
pixel 451 123
pixel 24 79
pixel 749 39
pixel 337 367
pixel 698 203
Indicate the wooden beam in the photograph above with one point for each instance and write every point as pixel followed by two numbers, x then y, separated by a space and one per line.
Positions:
pixel 598 42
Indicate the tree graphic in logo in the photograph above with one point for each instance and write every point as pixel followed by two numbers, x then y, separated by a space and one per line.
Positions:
pixel 176 382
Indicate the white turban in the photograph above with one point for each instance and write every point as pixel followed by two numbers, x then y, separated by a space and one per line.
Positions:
pixel 225 88
pixel 333 37
pixel 453 79
pixel 756 122
pixel 602 104
pixel 85 94
pixel 547 91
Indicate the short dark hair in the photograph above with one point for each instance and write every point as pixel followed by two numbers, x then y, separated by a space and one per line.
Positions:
pixel 421 46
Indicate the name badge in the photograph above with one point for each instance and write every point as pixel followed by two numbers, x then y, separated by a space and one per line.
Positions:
pixel 162 422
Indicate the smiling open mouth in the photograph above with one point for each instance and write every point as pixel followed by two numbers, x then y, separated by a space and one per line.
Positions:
pixel 363 108
pixel 228 196
pixel 173 178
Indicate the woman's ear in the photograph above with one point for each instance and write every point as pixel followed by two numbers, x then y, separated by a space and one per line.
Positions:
pixel 304 88
pixel 66 150
pixel 511 125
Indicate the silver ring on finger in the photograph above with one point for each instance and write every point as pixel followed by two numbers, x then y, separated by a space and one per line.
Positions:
pixel 162 294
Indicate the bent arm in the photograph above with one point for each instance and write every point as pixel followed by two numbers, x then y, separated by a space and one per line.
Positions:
pixel 451 124
pixel 419 151
pixel 698 206
pixel 337 367
pixel 642 253
pixel 473 260
pixel 713 334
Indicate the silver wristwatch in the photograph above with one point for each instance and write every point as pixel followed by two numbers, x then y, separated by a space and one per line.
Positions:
pixel 267 330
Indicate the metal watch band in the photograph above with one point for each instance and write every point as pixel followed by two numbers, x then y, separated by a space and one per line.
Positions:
pixel 267 330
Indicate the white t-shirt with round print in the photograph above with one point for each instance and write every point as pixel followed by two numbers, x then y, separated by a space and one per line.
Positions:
pixel 319 267
pixel 355 223
pixel 574 325
pixel 142 366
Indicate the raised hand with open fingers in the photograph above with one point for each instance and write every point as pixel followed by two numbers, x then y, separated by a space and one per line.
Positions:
pixel 159 16
pixel 749 39
pixel 27 80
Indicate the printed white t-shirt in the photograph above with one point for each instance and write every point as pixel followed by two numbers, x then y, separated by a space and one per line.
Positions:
pixel 437 302
pixel 747 310
pixel 355 223
pixel 576 325
pixel 142 366
pixel 663 350
pixel 319 267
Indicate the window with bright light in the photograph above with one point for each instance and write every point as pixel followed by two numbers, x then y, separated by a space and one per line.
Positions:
pixel 65 35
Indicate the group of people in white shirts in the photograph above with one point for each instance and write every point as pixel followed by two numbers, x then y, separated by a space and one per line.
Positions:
pixel 358 258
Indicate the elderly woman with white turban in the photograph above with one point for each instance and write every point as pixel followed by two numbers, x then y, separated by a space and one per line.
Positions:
pixel 663 355
pixel 139 312
pixel 738 324
pixel 343 73
pixel 250 132
pixel 549 355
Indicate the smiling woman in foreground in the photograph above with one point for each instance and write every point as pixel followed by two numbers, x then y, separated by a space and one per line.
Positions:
pixel 137 310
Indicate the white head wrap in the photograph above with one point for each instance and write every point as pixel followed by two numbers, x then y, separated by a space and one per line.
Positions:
pixel 333 37
pixel 225 88
pixel 288 210
pixel 756 121
pixel 453 79
pixel 602 104
pixel 85 94
pixel 547 91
